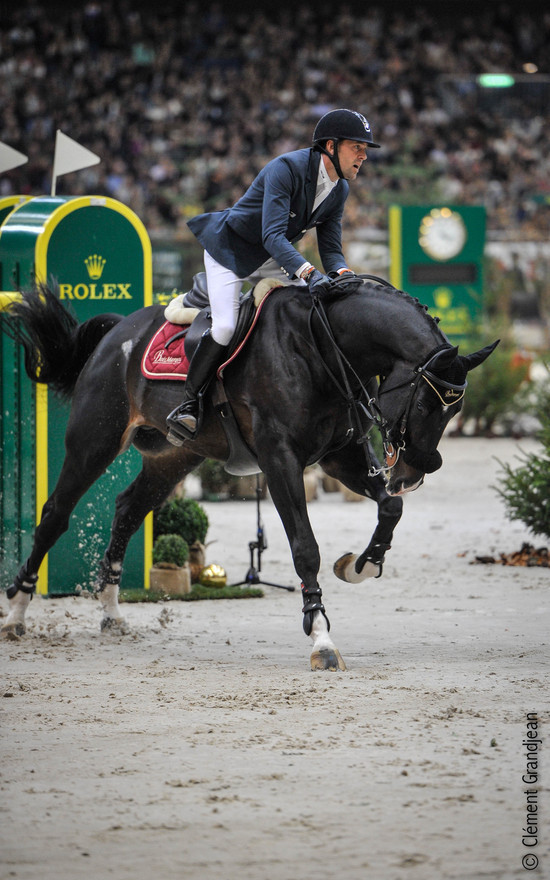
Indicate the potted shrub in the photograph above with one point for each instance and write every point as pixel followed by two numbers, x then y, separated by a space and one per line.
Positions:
pixel 170 573
pixel 181 516
pixel 187 518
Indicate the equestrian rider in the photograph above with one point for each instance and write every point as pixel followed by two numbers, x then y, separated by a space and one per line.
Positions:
pixel 255 238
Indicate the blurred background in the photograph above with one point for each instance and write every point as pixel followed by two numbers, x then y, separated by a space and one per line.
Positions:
pixel 185 102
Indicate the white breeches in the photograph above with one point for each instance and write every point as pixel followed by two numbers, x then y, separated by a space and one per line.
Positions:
pixel 224 289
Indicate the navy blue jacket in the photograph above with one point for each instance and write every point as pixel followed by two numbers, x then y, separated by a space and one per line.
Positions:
pixel 272 215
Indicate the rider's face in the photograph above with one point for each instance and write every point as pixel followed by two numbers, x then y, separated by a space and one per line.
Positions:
pixel 351 154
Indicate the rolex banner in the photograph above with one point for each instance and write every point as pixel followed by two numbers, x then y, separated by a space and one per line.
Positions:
pixel 98 253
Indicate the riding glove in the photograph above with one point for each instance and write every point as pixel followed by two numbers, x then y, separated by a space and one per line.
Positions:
pixel 316 281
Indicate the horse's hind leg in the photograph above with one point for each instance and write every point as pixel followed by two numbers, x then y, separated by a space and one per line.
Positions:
pixel 84 463
pixel 150 488
pixel 350 467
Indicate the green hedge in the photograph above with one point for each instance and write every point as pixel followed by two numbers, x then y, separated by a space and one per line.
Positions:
pixel 526 490
pixel 184 517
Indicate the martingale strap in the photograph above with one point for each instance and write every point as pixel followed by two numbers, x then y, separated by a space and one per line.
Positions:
pixel 366 406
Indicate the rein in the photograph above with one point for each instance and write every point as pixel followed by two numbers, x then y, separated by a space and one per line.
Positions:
pixel 357 408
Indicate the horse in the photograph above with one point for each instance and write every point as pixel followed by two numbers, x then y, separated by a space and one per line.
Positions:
pixel 314 377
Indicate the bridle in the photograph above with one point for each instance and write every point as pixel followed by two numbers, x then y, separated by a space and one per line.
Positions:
pixel 366 404
pixel 448 393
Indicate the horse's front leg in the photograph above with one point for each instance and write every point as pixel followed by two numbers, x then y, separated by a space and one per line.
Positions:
pixel 353 568
pixel 351 469
pixel 286 485
pixel 325 654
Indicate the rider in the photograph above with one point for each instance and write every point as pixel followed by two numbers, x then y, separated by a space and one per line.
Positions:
pixel 255 238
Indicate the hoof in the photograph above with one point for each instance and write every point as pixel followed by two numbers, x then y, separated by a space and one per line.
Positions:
pixel 327 658
pixel 13 631
pixel 344 568
pixel 112 625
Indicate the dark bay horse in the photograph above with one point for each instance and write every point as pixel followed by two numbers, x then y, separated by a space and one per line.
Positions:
pixel 303 390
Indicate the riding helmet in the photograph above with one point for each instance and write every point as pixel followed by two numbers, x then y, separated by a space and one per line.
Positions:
pixel 340 125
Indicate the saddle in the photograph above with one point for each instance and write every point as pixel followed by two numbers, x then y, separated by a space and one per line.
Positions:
pixel 170 350
pixel 197 298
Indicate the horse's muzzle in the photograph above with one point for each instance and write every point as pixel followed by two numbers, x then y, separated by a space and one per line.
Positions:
pixel 403 485
pixel 425 462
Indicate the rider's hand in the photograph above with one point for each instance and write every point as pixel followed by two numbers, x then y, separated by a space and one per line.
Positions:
pixel 316 281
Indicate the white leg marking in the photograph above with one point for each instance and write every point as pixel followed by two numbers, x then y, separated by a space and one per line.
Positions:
pixel 15 621
pixel 325 655
pixel 109 602
pixel 320 634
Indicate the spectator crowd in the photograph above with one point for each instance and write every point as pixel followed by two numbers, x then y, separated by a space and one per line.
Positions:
pixel 185 102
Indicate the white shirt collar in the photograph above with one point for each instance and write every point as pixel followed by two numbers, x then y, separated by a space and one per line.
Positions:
pixel 324 185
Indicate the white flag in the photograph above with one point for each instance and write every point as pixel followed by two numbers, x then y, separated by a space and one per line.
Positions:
pixel 70 156
pixel 10 158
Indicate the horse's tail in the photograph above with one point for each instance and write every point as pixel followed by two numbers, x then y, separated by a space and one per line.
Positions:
pixel 56 346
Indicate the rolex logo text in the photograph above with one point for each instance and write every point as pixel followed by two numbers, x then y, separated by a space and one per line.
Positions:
pixel 95 264
pixel 95 291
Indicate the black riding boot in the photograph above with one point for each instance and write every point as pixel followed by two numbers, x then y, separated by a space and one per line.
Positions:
pixel 182 422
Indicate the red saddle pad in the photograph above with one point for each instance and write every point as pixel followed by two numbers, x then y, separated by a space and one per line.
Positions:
pixel 161 362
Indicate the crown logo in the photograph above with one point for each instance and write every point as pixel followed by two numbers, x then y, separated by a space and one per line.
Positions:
pixel 94 264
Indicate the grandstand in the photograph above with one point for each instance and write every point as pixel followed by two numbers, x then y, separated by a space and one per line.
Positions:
pixel 186 102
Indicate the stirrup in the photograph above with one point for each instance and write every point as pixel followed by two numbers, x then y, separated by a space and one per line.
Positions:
pixel 173 438
pixel 187 420
pixel 183 423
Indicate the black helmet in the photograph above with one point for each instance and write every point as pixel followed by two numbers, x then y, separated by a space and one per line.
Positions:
pixel 340 125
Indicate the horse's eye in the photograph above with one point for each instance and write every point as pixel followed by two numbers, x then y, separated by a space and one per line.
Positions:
pixel 420 406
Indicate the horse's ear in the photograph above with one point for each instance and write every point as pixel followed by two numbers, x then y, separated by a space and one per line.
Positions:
pixel 444 359
pixel 473 360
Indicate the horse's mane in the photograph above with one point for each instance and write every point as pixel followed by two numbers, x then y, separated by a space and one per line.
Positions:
pixel 402 294
pixel 382 291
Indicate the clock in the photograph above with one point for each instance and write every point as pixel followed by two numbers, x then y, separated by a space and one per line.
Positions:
pixel 442 234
